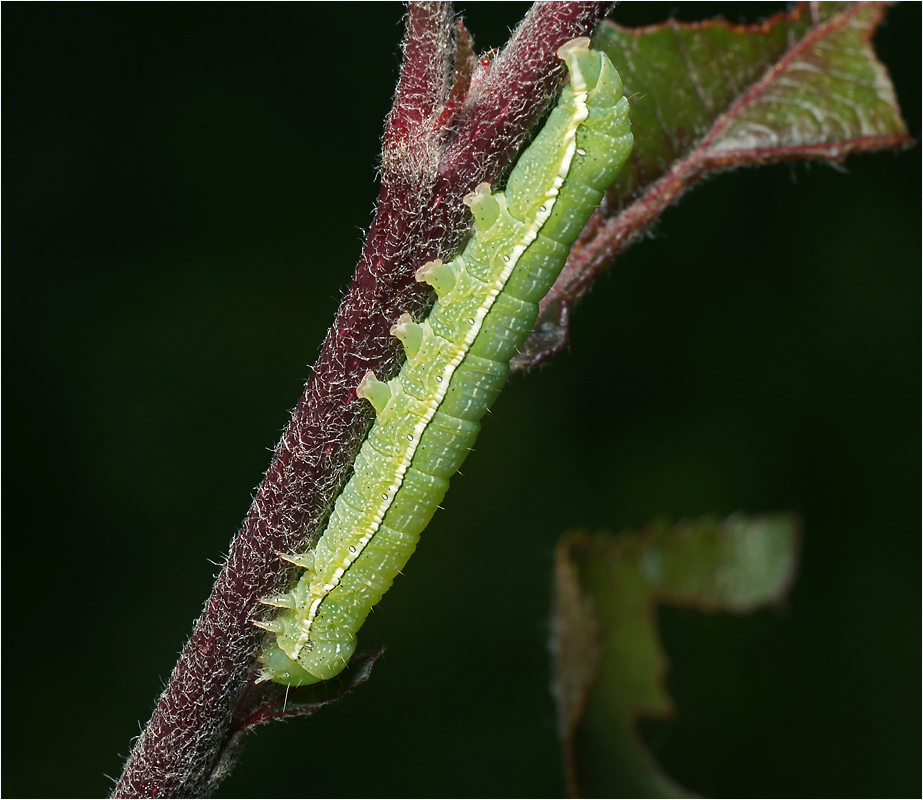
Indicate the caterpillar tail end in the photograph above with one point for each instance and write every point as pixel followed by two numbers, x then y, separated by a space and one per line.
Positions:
pixel 582 63
pixel 580 43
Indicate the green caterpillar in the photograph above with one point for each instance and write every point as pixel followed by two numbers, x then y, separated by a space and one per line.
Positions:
pixel 457 362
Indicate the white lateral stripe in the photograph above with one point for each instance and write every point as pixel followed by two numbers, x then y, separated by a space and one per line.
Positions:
pixel 579 115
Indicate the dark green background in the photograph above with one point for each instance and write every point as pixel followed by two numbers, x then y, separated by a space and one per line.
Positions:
pixel 184 192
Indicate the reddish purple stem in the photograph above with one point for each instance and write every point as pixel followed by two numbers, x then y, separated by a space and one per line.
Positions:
pixel 437 148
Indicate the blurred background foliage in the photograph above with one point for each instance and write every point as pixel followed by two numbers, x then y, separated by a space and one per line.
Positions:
pixel 185 190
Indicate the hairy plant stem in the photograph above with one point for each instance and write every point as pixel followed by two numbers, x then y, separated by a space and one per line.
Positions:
pixel 439 144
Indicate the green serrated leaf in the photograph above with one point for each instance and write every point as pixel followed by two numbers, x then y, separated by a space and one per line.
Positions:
pixel 609 662
pixel 711 96
pixel 789 87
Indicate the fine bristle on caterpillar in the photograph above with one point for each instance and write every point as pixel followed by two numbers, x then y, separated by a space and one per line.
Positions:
pixel 457 362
